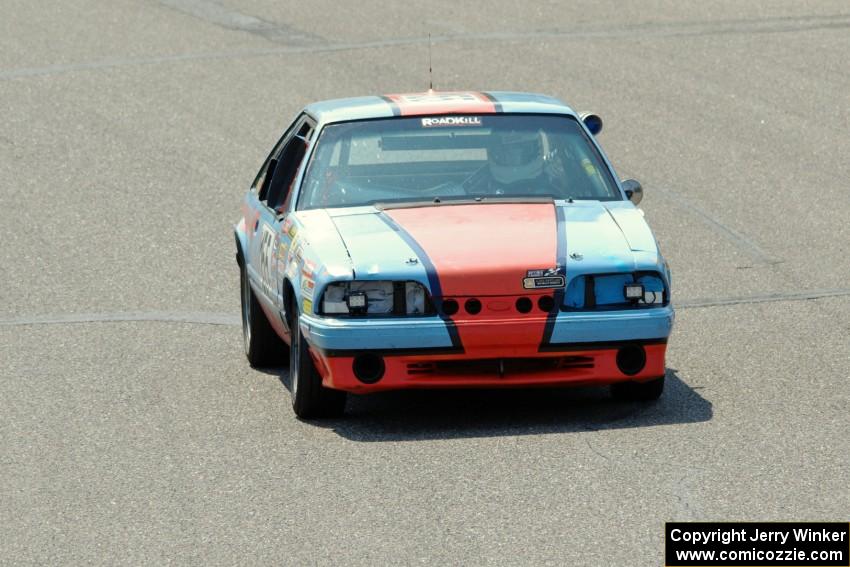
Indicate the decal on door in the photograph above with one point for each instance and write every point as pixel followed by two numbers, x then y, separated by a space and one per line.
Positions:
pixel 267 256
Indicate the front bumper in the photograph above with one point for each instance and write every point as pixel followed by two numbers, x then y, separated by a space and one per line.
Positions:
pixel 572 348
pixel 593 365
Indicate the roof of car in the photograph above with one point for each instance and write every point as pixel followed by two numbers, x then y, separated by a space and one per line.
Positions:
pixel 435 102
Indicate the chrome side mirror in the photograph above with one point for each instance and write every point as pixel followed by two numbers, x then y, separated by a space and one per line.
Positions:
pixel 633 190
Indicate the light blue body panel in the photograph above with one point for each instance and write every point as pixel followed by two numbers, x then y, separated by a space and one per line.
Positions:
pixel 595 243
pixel 377 251
pixel 530 103
pixel 328 333
pixel 345 109
pixel 630 220
pixel 323 243
pixel 608 238
pixel 586 327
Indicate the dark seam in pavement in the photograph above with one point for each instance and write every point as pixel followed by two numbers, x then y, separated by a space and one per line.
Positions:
pixel 224 17
pixel 636 32
pixel 199 318
pixel 210 318
pixel 742 241
pixel 794 296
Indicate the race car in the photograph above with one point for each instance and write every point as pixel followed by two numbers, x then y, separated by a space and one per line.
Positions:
pixel 449 240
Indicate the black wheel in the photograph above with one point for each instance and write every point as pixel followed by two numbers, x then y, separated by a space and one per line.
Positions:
pixel 263 346
pixel 309 398
pixel 638 391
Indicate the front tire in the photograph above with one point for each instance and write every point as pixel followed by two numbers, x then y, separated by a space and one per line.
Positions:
pixel 309 398
pixel 638 391
pixel 263 347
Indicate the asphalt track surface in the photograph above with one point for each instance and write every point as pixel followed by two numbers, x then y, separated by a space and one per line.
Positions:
pixel 134 432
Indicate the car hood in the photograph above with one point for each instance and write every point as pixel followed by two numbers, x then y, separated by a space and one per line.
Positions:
pixel 489 249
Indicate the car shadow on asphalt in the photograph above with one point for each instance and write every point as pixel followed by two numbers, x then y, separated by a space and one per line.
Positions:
pixel 411 415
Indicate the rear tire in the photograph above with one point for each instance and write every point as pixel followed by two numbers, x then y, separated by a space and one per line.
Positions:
pixel 309 398
pixel 263 347
pixel 638 391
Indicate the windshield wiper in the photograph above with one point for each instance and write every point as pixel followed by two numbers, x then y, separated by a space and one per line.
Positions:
pixel 480 199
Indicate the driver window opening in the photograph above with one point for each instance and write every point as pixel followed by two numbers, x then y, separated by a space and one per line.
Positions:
pixel 286 167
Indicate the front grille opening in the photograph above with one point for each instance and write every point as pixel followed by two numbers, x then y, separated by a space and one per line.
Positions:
pixel 499 366
pixel 473 306
pixel 420 368
pixel 450 306
pixel 523 305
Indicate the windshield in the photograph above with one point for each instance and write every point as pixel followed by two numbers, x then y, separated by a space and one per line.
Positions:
pixel 439 158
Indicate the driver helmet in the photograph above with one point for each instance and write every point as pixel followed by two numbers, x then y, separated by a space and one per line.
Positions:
pixel 516 155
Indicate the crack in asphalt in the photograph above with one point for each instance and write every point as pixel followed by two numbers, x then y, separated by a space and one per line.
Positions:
pixel 228 319
pixel 304 42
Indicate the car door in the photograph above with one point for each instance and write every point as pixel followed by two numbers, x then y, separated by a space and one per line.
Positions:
pixel 273 188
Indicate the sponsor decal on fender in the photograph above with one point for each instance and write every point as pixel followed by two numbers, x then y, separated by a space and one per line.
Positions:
pixel 308 288
pixel 451 121
pixel 308 269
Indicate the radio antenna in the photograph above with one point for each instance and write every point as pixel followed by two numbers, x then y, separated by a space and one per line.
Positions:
pixel 430 72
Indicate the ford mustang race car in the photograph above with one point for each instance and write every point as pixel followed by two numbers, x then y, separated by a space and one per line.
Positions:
pixel 449 239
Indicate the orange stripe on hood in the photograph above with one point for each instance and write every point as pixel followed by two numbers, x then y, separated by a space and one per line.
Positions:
pixel 485 251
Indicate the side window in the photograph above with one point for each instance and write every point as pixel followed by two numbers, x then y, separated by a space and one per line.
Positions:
pixel 263 179
pixel 262 184
pixel 287 166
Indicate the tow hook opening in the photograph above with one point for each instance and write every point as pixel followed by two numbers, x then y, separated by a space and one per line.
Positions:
pixel 368 368
pixel 631 359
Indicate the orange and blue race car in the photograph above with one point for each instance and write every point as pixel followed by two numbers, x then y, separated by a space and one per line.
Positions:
pixel 449 240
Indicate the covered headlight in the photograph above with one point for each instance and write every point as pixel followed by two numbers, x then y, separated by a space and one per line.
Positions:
pixel 653 289
pixel 375 298
pixel 415 298
pixel 633 291
pixel 357 301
